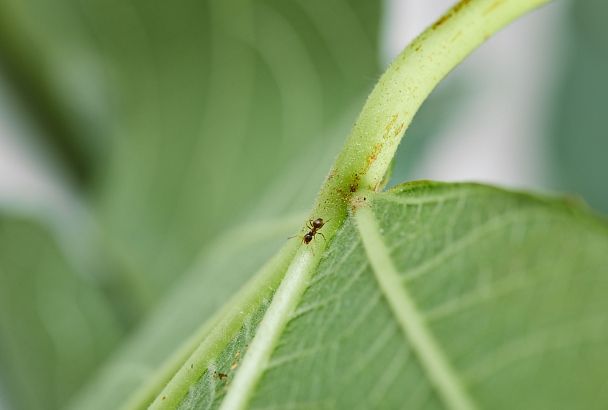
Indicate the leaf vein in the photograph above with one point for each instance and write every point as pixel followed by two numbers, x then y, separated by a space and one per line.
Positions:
pixel 433 360
pixel 470 238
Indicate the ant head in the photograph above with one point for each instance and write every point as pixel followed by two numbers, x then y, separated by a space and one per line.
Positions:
pixel 308 237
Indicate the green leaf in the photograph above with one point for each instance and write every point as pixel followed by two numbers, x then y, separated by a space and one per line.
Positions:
pixel 202 106
pixel 361 165
pixel 188 119
pixel 55 325
pixel 428 296
pixel 434 296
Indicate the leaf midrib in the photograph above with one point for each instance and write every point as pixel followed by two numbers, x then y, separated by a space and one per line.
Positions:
pixel 270 329
pixel 432 358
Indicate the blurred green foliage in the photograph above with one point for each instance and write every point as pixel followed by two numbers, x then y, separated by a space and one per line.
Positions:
pixel 55 326
pixel 235 90
pixel 578 134
pixel 177 121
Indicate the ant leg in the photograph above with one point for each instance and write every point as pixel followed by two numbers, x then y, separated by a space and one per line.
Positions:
pixel 319 233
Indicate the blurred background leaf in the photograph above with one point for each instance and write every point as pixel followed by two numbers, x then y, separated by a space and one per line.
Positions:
pixel 177 122
pixel 55 327
pixel 205 104
pixel 578 133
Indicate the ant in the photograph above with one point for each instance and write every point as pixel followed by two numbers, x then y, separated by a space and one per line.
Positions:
pixel 314 227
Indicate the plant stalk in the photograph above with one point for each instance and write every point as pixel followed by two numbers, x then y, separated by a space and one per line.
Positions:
pixel 407 82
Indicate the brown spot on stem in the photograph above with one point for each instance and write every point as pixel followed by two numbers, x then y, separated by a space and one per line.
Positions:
pixel 342 195
pixel 441 20
pixel 393 128
pixel 373 155
pixel 461 5
pixel 390 125
pixel 450 13
pixel 399 129
pixel 354 186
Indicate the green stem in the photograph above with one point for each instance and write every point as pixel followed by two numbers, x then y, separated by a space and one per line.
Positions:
pixel 390 108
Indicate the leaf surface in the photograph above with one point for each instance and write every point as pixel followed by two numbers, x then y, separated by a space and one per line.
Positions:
pixel 440 296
